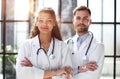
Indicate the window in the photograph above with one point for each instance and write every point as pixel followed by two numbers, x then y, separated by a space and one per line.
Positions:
pixel 105 26
pixel 14 29
pixel 15 24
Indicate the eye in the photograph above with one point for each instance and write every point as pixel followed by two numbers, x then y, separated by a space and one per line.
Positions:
pixel 50 20
pixel 85 18
pixel 40 21
pixel 78 18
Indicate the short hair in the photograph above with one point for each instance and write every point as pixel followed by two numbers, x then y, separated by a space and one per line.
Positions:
pixel 81 8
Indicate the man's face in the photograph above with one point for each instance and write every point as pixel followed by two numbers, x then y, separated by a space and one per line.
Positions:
pixel 81 21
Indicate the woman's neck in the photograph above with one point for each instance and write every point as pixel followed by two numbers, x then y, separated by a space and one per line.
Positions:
pixel 45 38
pixel 45 41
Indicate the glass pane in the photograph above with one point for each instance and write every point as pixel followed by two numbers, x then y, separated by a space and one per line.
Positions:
pixel 10 9
pixel 15 34
pixel 96 13
pixel 10 66
pixel 96 29
pixel 48 3
pixel 107 72
pixel 66 10
pixel 108 38
pixel 67 31
pixel 21 32
pixel 118 10
pixel 81 2
pixel 14 10
pixel 118 68
pixel 1 75
pixel 0 39
pixel 0 9
pixel 118 40
pixel 21 9
pixel 108 10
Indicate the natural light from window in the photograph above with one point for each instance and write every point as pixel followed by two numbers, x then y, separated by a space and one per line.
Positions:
pixel 21 9
pixel 48 3
pixel 0 9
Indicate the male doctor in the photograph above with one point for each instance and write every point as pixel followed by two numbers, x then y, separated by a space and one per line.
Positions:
pixel 88 53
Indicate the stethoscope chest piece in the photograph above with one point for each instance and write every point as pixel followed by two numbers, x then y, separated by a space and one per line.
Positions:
pixel 52 56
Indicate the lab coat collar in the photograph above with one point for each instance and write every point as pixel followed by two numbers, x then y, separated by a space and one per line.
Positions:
pixel 36 45
pixel 49 52
pixel 83 45
pixel 74 38
pixel 35 42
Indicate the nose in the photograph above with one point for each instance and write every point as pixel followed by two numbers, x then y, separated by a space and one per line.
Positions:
pixel 81 21
pixel 44 22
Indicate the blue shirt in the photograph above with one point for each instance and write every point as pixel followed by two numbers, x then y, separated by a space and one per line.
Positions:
pixel 80 39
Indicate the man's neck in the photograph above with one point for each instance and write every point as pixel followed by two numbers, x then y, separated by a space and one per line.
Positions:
pixel 81 33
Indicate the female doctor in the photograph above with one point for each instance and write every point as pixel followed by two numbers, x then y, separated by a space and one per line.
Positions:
pixel 44 56
pixel 88 53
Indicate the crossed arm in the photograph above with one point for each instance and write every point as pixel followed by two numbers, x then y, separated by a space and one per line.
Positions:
pixel 90 66
pixel 67 70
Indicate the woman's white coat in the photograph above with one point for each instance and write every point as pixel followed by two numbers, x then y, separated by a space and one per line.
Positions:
pixel 42 61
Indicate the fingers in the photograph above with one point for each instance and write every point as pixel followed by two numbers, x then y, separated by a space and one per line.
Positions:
pixel 68 76
pixel 68 70
pixel 26 62
pixel 82 69
pixel 91 66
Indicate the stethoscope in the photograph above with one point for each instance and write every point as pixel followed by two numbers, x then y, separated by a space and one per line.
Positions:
pixel 51 56
pixel 72 42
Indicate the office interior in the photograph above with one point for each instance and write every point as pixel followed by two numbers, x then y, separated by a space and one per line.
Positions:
pixel 17 16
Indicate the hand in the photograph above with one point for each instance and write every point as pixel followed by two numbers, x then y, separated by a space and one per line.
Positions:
pixel 26 62
pixel 48 78
pixel 90 66
pixel 67 70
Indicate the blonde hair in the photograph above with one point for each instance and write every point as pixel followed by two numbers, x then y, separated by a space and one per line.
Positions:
pixel 55 32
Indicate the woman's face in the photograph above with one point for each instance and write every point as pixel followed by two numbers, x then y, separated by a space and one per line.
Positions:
pixel 45 23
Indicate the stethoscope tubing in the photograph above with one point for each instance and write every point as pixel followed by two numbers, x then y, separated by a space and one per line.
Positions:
pixel 51 56
pixel 52 52
pixel 88 45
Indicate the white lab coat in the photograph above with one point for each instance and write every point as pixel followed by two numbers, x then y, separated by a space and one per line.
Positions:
pixel 41 61
pixel 95 53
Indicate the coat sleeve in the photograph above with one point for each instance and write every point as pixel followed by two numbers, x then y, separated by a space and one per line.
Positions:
pixel 66 58
pixel 23 72
pixel 98 56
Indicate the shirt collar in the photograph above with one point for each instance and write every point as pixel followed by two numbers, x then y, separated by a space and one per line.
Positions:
pixel 83 37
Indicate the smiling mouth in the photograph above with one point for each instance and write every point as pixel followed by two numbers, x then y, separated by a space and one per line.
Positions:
pixel 45 28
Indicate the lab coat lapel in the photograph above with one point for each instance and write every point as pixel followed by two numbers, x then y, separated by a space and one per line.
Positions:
pixel 84 45
pixel 50 48
pixel 75 42
pixel 35 44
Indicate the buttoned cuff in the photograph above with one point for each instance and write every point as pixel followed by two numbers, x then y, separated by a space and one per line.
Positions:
pixel 75 70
